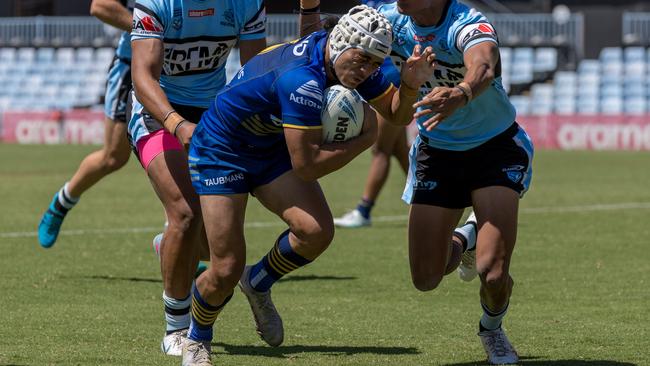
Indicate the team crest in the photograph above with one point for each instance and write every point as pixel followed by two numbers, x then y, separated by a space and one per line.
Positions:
pixel 228 18
pixel 177 20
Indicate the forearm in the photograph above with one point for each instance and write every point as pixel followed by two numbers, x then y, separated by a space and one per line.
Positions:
pixel 309 19
pixel 332 157
pixel 402 105
pixel 112 13
pixel 151 96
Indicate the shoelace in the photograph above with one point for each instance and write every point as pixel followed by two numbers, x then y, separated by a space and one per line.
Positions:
pixel 200 352
pixel 498 344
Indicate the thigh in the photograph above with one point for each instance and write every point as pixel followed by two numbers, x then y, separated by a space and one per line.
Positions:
pixel 169 175
pixel 297 202
pixel 430 230
pixel 116 142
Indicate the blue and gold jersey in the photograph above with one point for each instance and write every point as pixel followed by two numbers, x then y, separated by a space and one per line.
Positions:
pixel 280 87
pixel 460 28
pixel 198 36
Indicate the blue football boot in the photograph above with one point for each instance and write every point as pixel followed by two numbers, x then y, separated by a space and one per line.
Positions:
pixel 48 229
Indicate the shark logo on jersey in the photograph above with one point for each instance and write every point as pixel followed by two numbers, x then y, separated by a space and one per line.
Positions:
pixel 177 20
pixel 228 18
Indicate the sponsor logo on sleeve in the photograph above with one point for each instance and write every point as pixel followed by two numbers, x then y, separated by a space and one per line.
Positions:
pixel 306 92
pixel 145 24
pixel 473 32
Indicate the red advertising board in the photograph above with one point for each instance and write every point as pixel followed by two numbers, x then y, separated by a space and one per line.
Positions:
pixel 583 132
pixel 53 127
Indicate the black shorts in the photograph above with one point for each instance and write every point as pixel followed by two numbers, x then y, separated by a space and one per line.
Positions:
pixel 446 178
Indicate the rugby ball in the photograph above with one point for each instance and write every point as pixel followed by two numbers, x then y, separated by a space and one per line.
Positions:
pixel 342 114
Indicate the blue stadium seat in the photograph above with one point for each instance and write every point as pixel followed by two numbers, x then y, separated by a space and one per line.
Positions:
pixel 635 106
pixel 545 59
pixel 611 105
pixel 521 104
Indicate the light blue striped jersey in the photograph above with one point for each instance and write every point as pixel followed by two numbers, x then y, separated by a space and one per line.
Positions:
pixel 487 115
pixel 198 36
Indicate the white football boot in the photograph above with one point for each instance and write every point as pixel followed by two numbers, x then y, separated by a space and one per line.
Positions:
pixel 352 219
pixel 267 320
pixel 498 348
pixel 196 353
pixel 467 268
pixel 172 343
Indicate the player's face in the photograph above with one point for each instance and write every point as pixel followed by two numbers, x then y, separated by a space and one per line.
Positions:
pixel 354 66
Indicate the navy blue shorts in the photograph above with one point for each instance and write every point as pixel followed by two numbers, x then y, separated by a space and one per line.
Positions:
pixel 446 178
pixel 217 168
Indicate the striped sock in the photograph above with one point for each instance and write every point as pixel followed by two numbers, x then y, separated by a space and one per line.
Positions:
pixel 65 202
pixel 281 260
pixel 491 320
pixel 177 313
pixel 203 317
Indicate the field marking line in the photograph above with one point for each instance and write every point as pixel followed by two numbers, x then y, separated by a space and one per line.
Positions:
pixel 397 218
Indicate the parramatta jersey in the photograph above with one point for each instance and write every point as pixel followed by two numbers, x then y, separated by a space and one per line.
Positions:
pixel 198 36
pixel 123 50
pixel 487 115
pixel 280 87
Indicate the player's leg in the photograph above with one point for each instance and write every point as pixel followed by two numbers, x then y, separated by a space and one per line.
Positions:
pixel 502 173
pixel 432 252
pixel 387 140
pixel 113 155
pixel 224 218
pixel 496 210
pixel 303 207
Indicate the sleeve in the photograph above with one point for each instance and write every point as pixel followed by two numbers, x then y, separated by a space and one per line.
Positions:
pixel 475 33
pixel 254 21
pixel 148 20
pixel 301 100
pixel 377 85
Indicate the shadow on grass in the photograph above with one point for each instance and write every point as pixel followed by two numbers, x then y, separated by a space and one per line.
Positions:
pixel 316 278
pixel 535 361
pixel 286 352
pixel 116 278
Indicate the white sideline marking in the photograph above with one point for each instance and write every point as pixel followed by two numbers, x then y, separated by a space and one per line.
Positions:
pixel 260 224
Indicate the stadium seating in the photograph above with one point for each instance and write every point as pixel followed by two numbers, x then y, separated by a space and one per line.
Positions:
pixel 615 83
pixel 48 78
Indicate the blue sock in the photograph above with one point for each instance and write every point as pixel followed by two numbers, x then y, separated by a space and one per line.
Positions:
pixel 177 313
pixel 203 317
pixel 364 207
pixel 278 262
pixel 491 320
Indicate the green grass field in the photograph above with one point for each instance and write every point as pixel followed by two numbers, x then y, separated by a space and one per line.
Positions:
pixel 581 269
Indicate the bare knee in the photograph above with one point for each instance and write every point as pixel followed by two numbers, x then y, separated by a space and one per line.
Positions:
pixel 496 280
pixel 426 282
pixel 183 217
pixel 224 273
pixel 316 235
pixel 113 161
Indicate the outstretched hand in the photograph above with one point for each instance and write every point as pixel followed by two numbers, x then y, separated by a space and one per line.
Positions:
pixel 441 102
pixel 418 68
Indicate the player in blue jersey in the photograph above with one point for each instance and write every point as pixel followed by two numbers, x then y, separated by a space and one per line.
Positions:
pixel 263 136
pixel 115 152
pixel 391 142
pixel 469 152
pixel 180 49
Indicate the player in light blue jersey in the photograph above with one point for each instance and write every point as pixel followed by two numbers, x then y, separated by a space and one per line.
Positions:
pixel 469 152
pixel 115 152
pixel 180 49
pixel 263 136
